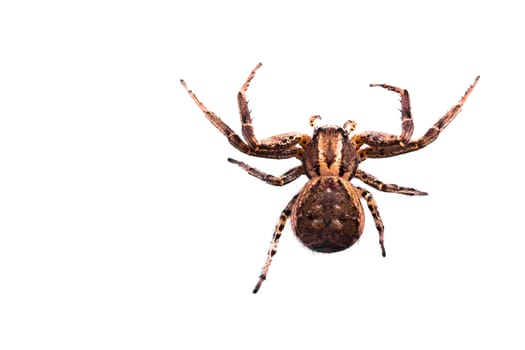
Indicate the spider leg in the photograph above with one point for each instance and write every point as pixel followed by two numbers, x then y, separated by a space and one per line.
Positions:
pixel 284 179
pixel 407 124
pixel 232 137
pixel 285 214
pixel 277 147
pixel 246 119
pixel 372 206
pixel 282 141
pixel 377 184
pixel 373 138
pixel 429 137
pixel 275 143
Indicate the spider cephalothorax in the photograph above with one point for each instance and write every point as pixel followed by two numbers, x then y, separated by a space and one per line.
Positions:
pixel 327 215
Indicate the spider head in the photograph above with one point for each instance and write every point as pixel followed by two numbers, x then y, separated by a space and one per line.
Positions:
pixel 330 151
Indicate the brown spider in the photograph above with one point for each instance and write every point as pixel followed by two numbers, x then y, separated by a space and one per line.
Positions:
pixel 327 215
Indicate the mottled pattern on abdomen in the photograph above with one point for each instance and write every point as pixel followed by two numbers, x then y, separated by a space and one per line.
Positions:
pixel 328 216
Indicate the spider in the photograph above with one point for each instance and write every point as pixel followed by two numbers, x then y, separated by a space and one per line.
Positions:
pixel 327 215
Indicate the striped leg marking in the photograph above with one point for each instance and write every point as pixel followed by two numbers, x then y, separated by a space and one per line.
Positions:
pixel 285 214
pixel 372 206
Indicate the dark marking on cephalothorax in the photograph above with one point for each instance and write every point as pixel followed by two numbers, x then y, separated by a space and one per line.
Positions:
pixel 343 169
pixel 331 147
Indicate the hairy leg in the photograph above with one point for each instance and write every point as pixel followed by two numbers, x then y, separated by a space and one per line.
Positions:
pixel 284 179
pixel 372 206
pixel 277 147
pixel 377 184
pixel 429 137
pixel 285 214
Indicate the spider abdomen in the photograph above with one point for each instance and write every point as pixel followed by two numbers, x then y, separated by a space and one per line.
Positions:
pixel 328 216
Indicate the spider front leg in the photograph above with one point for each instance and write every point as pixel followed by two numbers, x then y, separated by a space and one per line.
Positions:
pixel 246 119
pixel 282 180
pixel 277 147
pixel 275 143
pixel 383 151
pixel 372 206
pixel 374 138
pixel 285 214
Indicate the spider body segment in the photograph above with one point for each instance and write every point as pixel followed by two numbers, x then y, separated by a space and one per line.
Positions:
pixel 327 215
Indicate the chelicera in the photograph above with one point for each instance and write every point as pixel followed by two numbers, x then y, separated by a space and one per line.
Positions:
pixel 327 215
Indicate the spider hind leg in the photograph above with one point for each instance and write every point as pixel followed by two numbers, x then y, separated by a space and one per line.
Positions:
pixel 285 214
pixel 372 206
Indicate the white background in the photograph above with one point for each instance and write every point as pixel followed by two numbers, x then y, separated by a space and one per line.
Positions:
pixel 122 226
